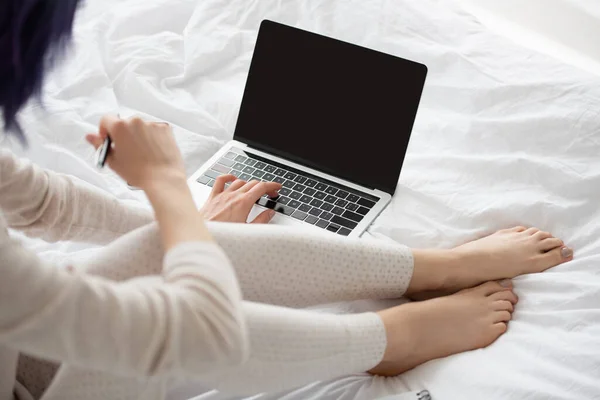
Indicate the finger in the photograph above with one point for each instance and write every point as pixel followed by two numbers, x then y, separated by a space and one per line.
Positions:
pixel 263 188
pixel 549 244
pixel 108 124
pixel 248 186
pixel 236 185
pixel 518 229
pixel 264 217
pixel 94 139
pixel 219 185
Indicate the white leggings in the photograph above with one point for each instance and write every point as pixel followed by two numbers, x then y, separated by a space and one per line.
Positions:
pixel 277 267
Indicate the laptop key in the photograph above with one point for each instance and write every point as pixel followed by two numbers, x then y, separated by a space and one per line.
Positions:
pixel 309 191
pixel 260 165
pixel 343 222
pixel 246 177
pixel 283 200
pixel 250 162
pixel 212 174
pixel 352 206
pixel 366 203
pixel 239 166
pixel 269 177
pixel 270 168
pixel 289 184
pixel 263 201
pixel 353 198
pixel 333 228
pixel 362 210
pixel 290 175
pixel 322 223
pixel 299 187
pixel 326 206
pixel 279 179
pixel 320 195
pixel 240 159
pixel 299 215
pixel 321 186
pixel 341 203
pixel 249 170
pixel 203 180
pixel 344 231
pixel 337 210
pixel 295 195
pixel 279 172
pixel 294 203
pixel 331 190
pixel 306 199
pixel 230 155
pixel 311 219
pixel 352 216
pixel 211 183
pixel 330 199
pixel 221 168
pixel 235 173
pixel 310 183
pixel 327 216
pixel 341 194
pixel 300 179
pixel 284 191
pixel 305 207
pixel 315 211
pixel 259 174
pixel 316 203
pixel 227 162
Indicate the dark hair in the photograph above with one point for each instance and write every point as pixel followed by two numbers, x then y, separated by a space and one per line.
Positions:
pixel 32 35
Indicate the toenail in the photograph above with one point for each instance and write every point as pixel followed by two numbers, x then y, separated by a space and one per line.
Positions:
pixel 505 283
pixel 566 252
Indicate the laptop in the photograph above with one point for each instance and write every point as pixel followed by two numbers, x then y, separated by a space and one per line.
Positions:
pixel 329 120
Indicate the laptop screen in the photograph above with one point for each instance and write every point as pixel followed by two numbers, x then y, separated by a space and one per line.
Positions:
pixel 330 105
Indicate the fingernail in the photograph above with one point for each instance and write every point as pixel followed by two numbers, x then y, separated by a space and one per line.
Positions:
pixel 566 252
pixel 505 283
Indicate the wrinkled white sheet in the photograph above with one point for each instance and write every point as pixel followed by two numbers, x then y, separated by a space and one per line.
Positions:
pixel 504 136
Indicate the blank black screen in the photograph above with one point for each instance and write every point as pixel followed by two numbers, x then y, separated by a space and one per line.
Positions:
pixel 334 106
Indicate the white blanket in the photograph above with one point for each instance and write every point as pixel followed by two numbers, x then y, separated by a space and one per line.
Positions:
pixel 504 136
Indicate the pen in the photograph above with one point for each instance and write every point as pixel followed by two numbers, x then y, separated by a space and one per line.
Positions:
pixel 103 151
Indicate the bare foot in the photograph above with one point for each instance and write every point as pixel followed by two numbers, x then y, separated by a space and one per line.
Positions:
pixel 507 254
pixel 423 331
pixel 502 255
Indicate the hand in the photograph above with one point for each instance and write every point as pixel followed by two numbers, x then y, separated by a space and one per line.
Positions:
pixel 235 203
pixel 143 153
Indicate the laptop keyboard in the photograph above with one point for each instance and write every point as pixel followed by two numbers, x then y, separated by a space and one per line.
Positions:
pixel 307 198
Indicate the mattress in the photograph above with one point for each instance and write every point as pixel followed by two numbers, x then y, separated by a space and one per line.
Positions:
pixel 503 136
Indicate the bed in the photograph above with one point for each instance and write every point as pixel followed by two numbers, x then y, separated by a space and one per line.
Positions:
pixel 504 136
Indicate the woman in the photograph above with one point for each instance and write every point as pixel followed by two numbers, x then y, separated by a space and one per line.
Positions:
pixel 162 302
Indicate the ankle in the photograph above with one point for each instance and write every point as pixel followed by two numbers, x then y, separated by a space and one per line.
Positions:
pixel 401 333
pixel 434 270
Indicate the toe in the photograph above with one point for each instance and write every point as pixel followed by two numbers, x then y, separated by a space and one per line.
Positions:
pixel 508 295
pixel 554 257
pixel 549 244
pixel 502 316
pixel 503 305
pixel 489 288
pixel 531 231
pixel 500 328
pixel 515 229
pixel 541 235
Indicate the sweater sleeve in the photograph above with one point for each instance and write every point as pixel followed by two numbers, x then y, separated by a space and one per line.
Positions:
pixel 184 322
pixel 58 207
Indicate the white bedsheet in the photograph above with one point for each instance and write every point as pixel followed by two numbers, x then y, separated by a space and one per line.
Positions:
pixel 504 136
